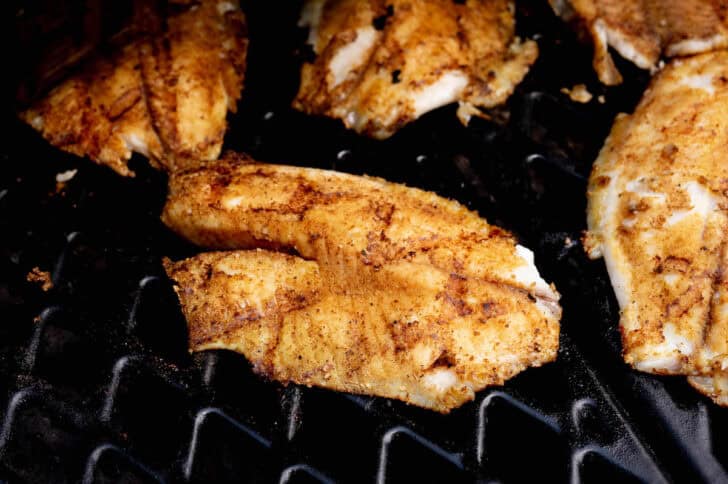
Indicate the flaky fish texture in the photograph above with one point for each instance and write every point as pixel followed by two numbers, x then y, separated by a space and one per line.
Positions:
pixel 165 94
pixel 657 213
pixel 642 31
pixel 393 291
pixel 192 68
pixel 380 65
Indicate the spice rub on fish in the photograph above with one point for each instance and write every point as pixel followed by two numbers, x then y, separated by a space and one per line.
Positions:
pixel 164 94
pixel 393 291
pixel 642 31
pixel 713 386
pixel 657 214
pixel 380 65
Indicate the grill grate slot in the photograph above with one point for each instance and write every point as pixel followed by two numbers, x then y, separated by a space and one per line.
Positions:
pixel 96 384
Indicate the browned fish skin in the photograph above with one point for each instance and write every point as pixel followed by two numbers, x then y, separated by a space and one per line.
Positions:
pixel 657 213
pixel 414 297
pixel 380 65
pixel 643 30
pixel 192 57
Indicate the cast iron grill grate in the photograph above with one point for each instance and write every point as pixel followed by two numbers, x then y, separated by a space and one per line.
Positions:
pixel 96 384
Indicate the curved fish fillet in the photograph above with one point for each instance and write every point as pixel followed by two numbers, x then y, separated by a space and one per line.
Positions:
pixel 657 213
pixel 395 291
pixel 643 30
pixel 192 67
pixel 714 387
pixel 164 95
pixel 715 384
pixel 382 64
pixel 100 113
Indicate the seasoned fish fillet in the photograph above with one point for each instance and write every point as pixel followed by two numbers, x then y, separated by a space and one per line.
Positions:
pixel 393 292
pixel 100 113
pixel 380 65
pixel 193 65
pixel 714 387
pixel 165 94
pixel 644 30
pixel 715 384
pixel 657 213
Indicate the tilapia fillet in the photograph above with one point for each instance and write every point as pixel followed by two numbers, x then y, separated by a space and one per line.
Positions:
pixel 165 94
pixel 712 386
pixel 380 65
pixel 642 31
pixel 393 291
pixel 657 213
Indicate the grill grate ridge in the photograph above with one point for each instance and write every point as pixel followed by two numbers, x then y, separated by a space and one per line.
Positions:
pixel 96 384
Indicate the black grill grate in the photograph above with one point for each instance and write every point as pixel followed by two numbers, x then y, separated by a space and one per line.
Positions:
pixel 96 384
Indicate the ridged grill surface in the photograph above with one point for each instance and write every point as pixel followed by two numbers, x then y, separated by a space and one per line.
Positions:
pixel 96 384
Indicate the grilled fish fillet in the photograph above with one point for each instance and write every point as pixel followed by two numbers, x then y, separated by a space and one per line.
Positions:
pixel 657 213
pixel 712 386
pixel 644 30
pixel 165 94
pixel 193 65
pixel 380 65
pixel 100 113
pixel 393 292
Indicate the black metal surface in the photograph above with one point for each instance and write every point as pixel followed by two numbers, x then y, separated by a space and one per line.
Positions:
pixel 96 384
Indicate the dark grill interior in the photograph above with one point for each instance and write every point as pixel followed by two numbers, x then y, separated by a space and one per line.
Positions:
pixel 96 384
